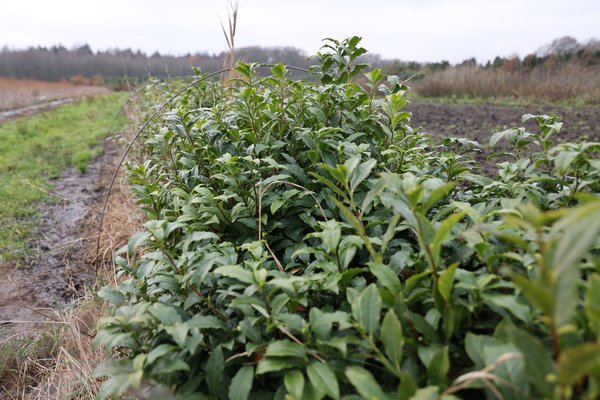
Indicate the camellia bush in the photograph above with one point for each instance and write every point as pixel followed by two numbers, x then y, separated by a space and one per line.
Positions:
pixel 304 242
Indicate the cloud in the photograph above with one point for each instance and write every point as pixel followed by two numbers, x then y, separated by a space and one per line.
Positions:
pixel 422 30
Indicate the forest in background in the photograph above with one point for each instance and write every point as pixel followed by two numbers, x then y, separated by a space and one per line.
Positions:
pixel 563 70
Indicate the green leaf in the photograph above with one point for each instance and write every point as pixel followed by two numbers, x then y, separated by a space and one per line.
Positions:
pixel 422 326
pixel 160 351
pixel 276 205
pixel 275 364
pixel 427 393
pixel 437 361
pixel 538 360
pixel 294 384
pixel 563 159
pixel 214 370
pixel 392 338
pixel 361 173
pixel 137 240
pixel 366 309
pixel 408 387
pixel 323 378
pixel 117 385
pixel 112 295
pixel 576 233
pixel 539 295
pixel 386 276
pixel 576 362
pixel 166 314
pixel 365 384
pixel 237 272
pixel 331 235
pixel 285 348
pixel 442 232
pixel 446 280
pixel 437 194
pixel 511 303
pixel 169 366
pixel 512 370
pixel 475 345
pixel 592 303
pixel 241 384
pixel 178 332
pixel 205 322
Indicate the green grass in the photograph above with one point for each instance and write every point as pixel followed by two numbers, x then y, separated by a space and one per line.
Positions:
pixel 35 150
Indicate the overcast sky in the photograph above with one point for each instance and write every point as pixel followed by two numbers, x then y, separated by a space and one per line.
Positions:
pixel 419 30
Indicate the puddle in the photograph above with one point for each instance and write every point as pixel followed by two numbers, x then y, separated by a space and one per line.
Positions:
pixel 18 112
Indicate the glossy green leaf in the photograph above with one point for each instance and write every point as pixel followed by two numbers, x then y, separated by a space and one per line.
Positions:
pixel 365 384
pixel 294 384
pixel 366 309
pixel 392 338
pixel 386 276
pixel 323 378
pixel 241 384
pixel 215 365
pixel 539 365
pixel 446 280
pixel 285 348
pixel 165 314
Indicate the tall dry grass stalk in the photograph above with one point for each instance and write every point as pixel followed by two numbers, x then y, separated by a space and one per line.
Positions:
pixel 230 60
pixel 570 82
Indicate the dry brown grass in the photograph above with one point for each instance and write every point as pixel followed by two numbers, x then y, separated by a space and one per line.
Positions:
pixel 17 93
pixel 54 360
pixel 567 83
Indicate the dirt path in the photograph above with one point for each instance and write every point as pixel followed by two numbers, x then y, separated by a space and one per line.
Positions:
pixel 59 272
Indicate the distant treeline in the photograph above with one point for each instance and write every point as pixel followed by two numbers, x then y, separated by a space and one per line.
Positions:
pixel 82 65
pixel 59 63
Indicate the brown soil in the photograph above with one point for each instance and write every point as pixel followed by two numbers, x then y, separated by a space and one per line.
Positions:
pixel 480 121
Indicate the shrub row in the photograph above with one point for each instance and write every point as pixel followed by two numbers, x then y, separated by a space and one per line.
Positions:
pixel 304 242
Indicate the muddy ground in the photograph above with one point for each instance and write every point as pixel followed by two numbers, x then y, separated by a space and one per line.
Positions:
pixel 67 232
pixel 480 121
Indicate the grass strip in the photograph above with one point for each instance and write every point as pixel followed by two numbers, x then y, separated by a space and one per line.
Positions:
pixel 36 149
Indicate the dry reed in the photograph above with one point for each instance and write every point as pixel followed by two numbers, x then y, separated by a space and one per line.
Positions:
pixel 570 82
